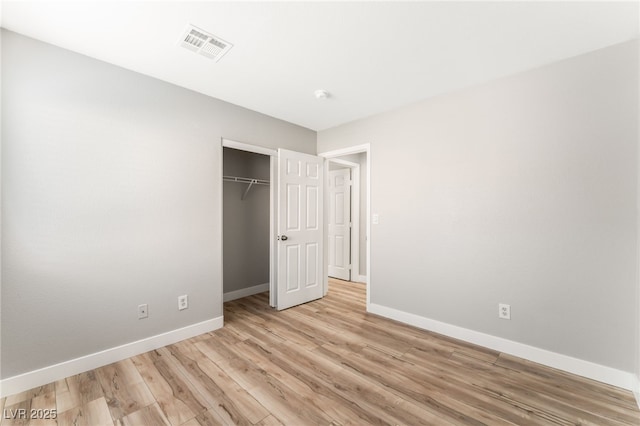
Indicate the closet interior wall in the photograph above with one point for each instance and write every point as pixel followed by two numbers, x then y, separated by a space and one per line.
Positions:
pixel 245 221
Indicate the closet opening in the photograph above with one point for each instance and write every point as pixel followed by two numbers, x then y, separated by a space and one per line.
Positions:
pixel 272 240
pixel 247 227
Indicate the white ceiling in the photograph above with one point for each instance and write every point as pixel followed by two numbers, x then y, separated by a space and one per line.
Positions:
pixel 371 56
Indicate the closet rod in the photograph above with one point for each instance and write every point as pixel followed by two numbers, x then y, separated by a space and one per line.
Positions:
pixel 250 181
pixel 245 180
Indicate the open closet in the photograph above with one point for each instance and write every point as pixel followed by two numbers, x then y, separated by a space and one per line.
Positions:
pixel 273 224
pixel 246 206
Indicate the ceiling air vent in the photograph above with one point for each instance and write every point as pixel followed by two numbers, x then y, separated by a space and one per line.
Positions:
pixel 204 43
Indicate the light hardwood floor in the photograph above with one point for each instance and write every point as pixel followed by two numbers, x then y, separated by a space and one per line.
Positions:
pixel 325 362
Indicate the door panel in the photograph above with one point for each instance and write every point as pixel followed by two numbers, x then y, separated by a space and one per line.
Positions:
pixel 312 207
pixel 293 207
pixel 299 228
pixel 340 224
pixel 312 265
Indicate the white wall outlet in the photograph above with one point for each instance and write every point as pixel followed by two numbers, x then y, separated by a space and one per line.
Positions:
pixel 375 219
pixel 504 311
pixel 183 302
pixel 143 311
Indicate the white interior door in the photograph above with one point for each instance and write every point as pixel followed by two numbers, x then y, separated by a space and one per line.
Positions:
pixel 300 227
pixel 339 225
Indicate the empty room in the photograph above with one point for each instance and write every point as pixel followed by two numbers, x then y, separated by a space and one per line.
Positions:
pixel 319 213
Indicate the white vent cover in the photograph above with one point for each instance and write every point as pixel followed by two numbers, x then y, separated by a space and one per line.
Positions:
pixel 205 44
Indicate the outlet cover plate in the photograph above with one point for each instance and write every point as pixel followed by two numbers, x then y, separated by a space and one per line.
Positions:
pixel 183 302
pixel 504 311
pixel 143 311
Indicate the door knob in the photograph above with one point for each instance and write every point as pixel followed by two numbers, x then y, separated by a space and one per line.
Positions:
pixel 284 238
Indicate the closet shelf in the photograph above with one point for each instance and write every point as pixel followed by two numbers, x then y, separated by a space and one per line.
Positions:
pixel 250 181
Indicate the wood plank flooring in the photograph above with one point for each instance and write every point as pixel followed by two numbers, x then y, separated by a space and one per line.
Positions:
pixel 323 363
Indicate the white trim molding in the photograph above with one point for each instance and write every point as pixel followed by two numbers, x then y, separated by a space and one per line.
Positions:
pixel 356 149
pixel 228 143
pixel 601 373
pixel 42 376
pixel 244 292
pixel 636 389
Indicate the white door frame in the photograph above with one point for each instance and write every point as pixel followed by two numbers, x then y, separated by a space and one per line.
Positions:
pixel 366 148
pixel 273 217
pixel 355 215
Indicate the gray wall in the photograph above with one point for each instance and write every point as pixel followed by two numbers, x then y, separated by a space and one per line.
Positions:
pixel 110 198
pixel 520 191
pixel 245 222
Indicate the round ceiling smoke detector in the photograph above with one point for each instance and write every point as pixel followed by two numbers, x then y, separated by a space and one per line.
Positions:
pixel 321 94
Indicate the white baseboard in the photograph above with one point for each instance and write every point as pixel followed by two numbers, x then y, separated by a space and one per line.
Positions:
pixel 566 363
pixel 636 389
pixel 244 292
pixel 361 278
pixel 32 379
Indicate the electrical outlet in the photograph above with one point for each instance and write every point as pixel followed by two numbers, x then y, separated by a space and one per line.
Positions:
pixel 375 219
pixel 504 311
pixel 183 302
pixel 143 311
